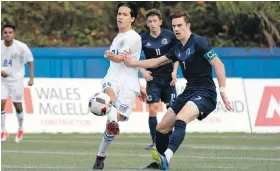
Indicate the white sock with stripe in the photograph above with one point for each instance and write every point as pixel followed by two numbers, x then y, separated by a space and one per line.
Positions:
pixel 105 143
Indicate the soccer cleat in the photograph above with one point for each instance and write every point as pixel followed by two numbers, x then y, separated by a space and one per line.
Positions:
pixel 150 147
pixel 99 163
pixel 153 165
pixel 19 136
pixel 4 136
pixel 113 127
pixel 160 159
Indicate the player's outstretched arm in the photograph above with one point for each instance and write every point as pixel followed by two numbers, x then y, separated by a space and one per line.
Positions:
pixel 150 63
pixel 221 76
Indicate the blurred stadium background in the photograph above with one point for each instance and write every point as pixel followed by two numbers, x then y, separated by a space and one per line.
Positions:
pixel 68 40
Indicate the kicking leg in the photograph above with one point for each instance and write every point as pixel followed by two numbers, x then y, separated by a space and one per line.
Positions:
pixel 163 130
pixel 125 102
pixel 162 135
pixel 187 114
pixel 112 128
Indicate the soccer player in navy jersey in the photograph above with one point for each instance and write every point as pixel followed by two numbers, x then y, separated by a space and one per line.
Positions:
pixel 160 80
pixel 199 98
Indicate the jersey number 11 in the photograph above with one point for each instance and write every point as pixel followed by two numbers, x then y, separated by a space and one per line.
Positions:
pixel 157 52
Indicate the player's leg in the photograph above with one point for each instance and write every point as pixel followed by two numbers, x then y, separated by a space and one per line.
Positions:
pixel 166 126
pixel 124 105
pixel 168 95
pixel 153 93
pixel 17 89
pixel 187 114
pixel 108 135
pixel 20 117
pixel 4 96
pixel 198 107
pixel 4 133
pixel 163 130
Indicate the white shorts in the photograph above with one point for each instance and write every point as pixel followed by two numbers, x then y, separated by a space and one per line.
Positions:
pixel 14 89
pixel 125 97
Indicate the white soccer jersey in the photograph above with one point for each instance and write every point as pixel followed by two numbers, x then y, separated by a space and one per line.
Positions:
pixel 129 40
pixel 13 59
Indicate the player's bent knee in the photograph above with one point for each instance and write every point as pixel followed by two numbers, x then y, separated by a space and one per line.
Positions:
pixel 188 113
pixel 161 129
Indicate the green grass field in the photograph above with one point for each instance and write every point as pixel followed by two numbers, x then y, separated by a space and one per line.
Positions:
pixel 215 152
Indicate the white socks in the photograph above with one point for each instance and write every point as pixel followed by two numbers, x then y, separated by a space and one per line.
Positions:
pixel 3 121
pixel 105 143
pixel 107 139
pixel 168 154
pixel 20 120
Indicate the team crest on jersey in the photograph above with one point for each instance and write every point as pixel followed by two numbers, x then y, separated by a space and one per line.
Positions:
pixel 188 52
pixel 179 54
pixel 149 98
pixel 121 43
pixel 15 56
pixel 164 41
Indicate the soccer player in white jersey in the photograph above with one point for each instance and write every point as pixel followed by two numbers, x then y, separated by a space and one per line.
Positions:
pixel 121 82
pixel 14 54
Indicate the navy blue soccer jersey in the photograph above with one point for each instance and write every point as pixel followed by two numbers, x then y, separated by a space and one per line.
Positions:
pixel 194 59
pixel 156 47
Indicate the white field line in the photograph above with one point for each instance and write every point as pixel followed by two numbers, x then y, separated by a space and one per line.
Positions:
pixel 141 155
pixel 129 143
pixel 221 167
pixel 32 166
pixel 95 136
pixel 58 167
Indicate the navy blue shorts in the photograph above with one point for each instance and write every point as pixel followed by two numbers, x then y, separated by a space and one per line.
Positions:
pixel 162 90
pixel 205 100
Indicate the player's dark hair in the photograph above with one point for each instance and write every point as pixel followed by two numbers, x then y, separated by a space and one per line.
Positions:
pixel 133 8
pixel 8 26
pixel 154 12
pixel 179 14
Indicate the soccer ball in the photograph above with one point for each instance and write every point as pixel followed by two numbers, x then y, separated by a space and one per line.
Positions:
pixel 100 104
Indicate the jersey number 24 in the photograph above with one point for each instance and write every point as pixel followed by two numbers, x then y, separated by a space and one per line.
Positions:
pixel 8 63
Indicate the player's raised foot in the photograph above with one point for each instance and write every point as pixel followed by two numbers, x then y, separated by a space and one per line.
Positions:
pixel 4 136
pixel 160 159
pixel 19 136
pixel 99 163
pixel 150 147
pixel 113 127
pixel 153 165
